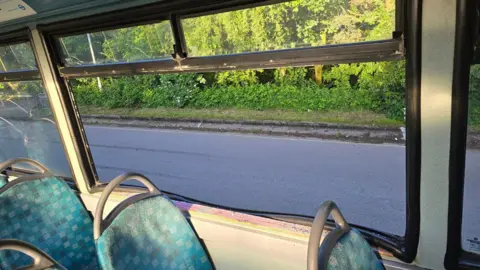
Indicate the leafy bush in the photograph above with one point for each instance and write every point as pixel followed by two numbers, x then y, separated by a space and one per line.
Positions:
pixel 173 90
pixel 170 90
pixel 238 77
pixel 291 76
pixel 271 96
pixel 371 86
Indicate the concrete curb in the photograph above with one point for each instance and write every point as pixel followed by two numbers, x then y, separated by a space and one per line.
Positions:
pixel 241 122
pixel 278 128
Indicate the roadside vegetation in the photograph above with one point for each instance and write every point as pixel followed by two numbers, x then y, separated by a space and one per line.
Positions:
pixel 359 93
pixel 354 118
pixel 366 93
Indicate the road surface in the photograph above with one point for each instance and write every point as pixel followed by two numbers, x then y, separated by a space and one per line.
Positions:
pixel 289 175
pixel 262 173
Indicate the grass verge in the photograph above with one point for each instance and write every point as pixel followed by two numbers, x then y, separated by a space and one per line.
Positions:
pixel 354 118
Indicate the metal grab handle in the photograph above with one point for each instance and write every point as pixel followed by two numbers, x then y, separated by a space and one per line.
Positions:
pixel 323 212
pixel 40 259
pixel 98 218
pixel 4 165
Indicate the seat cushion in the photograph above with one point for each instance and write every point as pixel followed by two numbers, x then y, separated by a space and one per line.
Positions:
pixel 47 214
pixel 151 234
pixel 353 252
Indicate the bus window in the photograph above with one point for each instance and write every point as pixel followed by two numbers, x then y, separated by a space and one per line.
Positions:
pixel 287 138
pixel 17 57
pixel 294 24
pixel 146 42
pixel 173 131
pixel 471 212
pixel 27 126
pixel 26 122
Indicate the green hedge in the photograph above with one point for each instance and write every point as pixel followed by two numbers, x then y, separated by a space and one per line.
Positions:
pixel 291 91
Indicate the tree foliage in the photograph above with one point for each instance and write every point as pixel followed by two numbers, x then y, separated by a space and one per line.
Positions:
pixel 301 23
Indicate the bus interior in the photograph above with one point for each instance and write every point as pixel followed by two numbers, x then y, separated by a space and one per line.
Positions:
pixel 78 195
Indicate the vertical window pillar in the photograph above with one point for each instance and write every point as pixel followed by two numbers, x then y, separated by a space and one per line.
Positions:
pixel 437 52
pixel 65 118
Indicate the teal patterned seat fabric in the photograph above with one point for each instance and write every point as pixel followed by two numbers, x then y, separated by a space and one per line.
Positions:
pixel 3 181
pixel 46 213
pixel 353 252
pixel 150 233
pixel 26 261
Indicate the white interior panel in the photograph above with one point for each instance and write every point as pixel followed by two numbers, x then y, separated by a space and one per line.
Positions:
pixel 234 246
pixel 438 38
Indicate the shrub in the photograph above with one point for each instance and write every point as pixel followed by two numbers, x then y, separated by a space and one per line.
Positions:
pixel 377 87
pixel 291 76
pixel 237 77
pixel 173 90
pixel 272 96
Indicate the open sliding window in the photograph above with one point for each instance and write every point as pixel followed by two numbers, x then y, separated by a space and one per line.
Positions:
pixel 295 33
pixel 27 127
pixel 312 94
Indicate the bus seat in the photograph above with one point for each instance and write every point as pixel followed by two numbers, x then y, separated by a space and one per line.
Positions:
pixel 3 181
pixel 352 252
pixel 342 248
pixel 44 211
pixel 146 231
pixel 38 259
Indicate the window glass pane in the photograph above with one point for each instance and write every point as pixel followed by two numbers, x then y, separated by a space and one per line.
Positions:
pixel 286 162
pixel 17 57
pixel 471 207
pixel 295 24
pixel 27 126
pixel 145 42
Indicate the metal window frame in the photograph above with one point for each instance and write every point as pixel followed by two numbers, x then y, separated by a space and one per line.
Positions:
pixel 12 38
pixel 410 15
pixel 465 41
pixel 334 54
pixel 381 50
pixel 21 75
pixel 20 36
pixel 413 44
pixel 146 14
pixel 65 113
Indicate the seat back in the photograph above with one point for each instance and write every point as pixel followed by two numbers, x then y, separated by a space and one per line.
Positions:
pixel 146 231
pixel 3 181
pixel 45 211
pixel 342 248
pixel 353 252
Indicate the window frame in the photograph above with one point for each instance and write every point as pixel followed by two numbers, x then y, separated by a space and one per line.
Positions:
pixel 75 128
pixel 408 28
pixel 12 38
pixel 381 50
pixel 324 55
pixel 33 75
pixel 467 19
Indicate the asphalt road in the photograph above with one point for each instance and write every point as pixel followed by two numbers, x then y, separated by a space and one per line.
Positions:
pixel 262 173
pixel 279 174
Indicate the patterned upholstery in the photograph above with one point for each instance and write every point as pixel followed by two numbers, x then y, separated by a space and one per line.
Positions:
pixel 26 261
pixel 151 234
pixel 353 252
pixel 3 181
pixel 46 213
